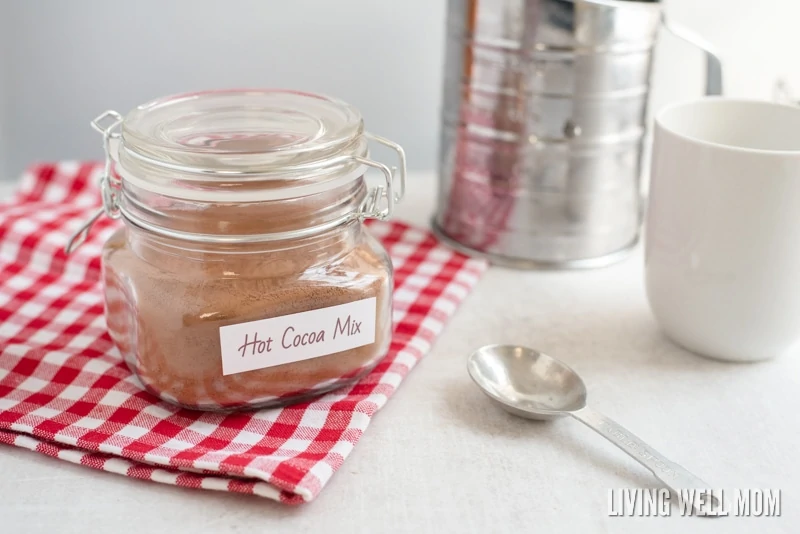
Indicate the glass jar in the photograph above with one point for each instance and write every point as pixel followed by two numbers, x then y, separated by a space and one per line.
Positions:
pixel 243 276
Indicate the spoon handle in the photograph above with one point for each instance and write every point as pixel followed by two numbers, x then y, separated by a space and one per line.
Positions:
pixel 673 475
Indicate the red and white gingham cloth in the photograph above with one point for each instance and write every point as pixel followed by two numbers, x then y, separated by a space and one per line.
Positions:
pixel 65 391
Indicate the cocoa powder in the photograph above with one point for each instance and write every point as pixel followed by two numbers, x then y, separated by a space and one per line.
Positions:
pixel 166 302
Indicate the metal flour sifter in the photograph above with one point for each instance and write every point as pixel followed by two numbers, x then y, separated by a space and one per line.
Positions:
pixel 543 126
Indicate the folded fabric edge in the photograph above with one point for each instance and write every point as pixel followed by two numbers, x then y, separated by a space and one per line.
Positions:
pixel 143 471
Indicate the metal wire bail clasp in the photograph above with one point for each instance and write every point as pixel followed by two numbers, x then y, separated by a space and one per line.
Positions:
pixel 394 188
pixel 106 124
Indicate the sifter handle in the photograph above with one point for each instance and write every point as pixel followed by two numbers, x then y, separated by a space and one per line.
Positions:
pixel 713 63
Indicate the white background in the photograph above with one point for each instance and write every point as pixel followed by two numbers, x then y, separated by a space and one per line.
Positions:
pixel 62 63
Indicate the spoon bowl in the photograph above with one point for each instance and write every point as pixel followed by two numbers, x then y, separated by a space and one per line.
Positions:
pixel 526 382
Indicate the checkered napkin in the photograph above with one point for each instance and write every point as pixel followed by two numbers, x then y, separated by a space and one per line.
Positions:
pixel 65 391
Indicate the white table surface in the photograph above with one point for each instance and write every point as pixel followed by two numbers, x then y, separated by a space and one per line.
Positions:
pixel 440 458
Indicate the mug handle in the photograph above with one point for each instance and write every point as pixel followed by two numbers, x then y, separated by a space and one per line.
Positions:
pixel 713 63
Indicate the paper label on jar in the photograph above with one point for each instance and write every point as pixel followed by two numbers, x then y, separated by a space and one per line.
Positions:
pixel 297 337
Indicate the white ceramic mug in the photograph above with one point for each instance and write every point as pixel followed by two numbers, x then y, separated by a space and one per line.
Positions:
pixel 723 228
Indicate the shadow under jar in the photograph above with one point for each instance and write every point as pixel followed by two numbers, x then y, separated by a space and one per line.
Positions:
pixel 244 276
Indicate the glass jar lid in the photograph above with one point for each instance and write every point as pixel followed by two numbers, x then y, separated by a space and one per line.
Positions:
pixel 242 132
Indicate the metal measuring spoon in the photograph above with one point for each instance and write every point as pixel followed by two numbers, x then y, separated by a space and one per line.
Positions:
pixel 533 385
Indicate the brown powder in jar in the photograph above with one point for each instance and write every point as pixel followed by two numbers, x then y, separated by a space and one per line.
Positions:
pixel 165 307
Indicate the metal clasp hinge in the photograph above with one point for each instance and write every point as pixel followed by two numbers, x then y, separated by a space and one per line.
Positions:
pixel 107 125
pixel 394 188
